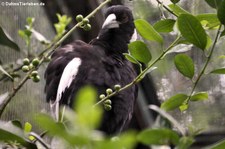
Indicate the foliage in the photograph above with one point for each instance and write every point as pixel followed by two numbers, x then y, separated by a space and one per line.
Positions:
pixel 77 129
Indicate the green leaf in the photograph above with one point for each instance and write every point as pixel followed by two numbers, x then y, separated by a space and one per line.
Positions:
pixel 87 116
pixel 9 132
pixel 140 51
pixel 164 26
pixel 124 141
pixel 6 40
pixel 177 9
pixel 185 142
pixel 209 20
pixel 213 3
pixel 192 30
pixel 147 31
pixel 27 127
pixel 184 65
pixel 30 21
pixel 5 72
pixel 58 129
pixel 174 102
pixel 219 145
pixel 218 71
pixel 183 107
pixel 161 136
pixel 174 1
pixel 221 12
pixel 130 58
pixel 17 123
pixel 199 96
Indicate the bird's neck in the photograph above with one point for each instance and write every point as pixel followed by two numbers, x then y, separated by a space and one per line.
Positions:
pixel 113 43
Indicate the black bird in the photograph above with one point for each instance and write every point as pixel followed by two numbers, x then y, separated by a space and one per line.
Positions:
pixel 101 64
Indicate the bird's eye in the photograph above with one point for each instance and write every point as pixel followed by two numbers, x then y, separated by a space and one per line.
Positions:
pixel 124 19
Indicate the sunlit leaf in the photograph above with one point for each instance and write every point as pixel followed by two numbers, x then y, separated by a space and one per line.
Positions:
pixel 184 65
pixel 140 51
pixel 9 132
pixel 199 96
pixel 5 72
pixel 211 20
pixel 218 71
pixel 6 40
pixel 161 136
pixel 27 127
pixel 214 3
pixel 221 12
pixel 180 48
pixel 126 140
pixel 183 107
pixel 147 31
pixel 177 9
pixel 164 26
pixel 87 115
pixel 174 102
pixel 192 30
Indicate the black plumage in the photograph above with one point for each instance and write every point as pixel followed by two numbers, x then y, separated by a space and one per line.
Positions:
pixel 101 64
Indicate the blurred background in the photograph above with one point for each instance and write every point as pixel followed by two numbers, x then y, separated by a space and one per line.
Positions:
pixel 164 82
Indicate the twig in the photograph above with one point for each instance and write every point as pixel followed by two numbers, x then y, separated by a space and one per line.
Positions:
pixel 49 49
pixel 165 7
pixel 142 74
pixel 39 139
pixel 205 65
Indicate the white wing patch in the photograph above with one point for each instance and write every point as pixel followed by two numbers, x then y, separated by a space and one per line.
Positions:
pixel 68 75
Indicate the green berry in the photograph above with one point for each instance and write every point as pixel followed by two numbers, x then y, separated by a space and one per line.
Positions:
pixel 87 27
pixel 109 91
pixel 79 18
pixel 107 102
pixel 107 107
pixel 34 73
pixel 36 78
pixel 31 66
pixel 25 68
pixel 85 21
pixel 102 96
pixel 35 62
pixel 26 61
pixel 117 87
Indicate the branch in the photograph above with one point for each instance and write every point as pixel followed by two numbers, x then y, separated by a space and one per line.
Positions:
pixel 206 63
pixel 142 74
pixel 165 7
pixel 42 55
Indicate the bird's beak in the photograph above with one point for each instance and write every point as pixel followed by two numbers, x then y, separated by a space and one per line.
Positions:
pixel 110 22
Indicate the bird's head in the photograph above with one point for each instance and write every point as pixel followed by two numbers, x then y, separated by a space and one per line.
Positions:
pixel 119 21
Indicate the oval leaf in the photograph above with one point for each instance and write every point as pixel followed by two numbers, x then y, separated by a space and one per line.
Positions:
pixel 221 12
pixel 140 51
pixel 158 137
pixel 6 40
pixel 177 9
pixel 192 30
pixel 174 102
pixel 184 65
pixel 164 26
pixel 218 71
pixel 147 31
pixel 199 96
pixel 211 20
pixel 130 58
